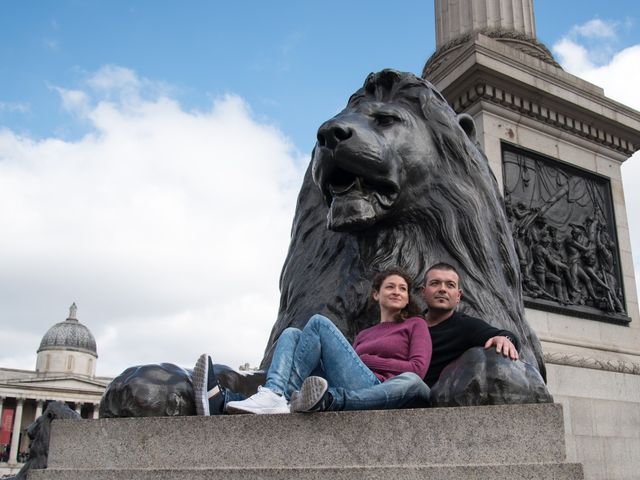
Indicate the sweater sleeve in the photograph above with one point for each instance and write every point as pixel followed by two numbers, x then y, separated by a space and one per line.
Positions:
pixel 480 331
pixel 419 354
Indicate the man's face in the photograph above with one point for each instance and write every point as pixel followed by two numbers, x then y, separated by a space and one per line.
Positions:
pixel 441 290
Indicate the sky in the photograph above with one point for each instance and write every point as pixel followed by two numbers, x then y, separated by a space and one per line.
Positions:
pixel 151 153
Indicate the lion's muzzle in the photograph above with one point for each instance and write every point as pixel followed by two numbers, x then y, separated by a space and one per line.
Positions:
pixel 357 177
pixel 332 132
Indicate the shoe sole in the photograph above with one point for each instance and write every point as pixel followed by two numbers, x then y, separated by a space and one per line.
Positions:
pixel 311 392
pixel 230 409
pixel 200 379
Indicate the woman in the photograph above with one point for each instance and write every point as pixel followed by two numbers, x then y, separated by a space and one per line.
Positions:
pixel 383 369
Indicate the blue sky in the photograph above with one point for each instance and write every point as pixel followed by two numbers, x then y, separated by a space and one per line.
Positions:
pixel 294 62
pixel 127 129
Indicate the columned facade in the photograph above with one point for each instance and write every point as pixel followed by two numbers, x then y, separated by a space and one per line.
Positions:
pixel 19 410
pixel 65 372
pixel 15 434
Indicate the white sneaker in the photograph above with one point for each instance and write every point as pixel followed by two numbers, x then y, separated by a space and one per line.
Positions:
pixel 265 401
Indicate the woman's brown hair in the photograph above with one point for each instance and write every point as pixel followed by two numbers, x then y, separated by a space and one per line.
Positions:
pixel 411 309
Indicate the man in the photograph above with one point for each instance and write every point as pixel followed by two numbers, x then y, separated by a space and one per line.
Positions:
pixel 452 332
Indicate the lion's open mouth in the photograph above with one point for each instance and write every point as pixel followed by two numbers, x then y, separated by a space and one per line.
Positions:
pixel 359 187
pixel 342 182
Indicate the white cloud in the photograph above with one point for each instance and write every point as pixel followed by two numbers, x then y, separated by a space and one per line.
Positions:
pixel 74 101
pixel 631 183
pixel 167 227
pixel 616 72
pixel 14 107
pixel 114 77
pixel 617 77
pixel 588 45
pixel 596 28
pixel 572 56
pixel 600 62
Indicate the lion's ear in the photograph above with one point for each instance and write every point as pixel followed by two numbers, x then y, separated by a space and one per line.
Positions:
pixel 468 125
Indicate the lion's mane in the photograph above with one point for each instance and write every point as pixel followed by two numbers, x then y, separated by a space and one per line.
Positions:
pixel 454 213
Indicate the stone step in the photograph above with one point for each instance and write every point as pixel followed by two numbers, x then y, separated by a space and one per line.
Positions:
pixel 506 434
pixel 550 471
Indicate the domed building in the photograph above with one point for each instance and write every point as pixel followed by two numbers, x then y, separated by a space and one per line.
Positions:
pixel 68 347
pixel 65 372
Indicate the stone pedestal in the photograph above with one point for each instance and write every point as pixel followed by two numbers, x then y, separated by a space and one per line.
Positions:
pixel 522 101
pixel 500 442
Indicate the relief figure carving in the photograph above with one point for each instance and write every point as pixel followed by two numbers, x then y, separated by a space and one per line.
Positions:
pixel 562 225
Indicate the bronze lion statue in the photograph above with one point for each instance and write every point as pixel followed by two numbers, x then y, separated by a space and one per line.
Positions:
pixel 397 178
pixel 39 432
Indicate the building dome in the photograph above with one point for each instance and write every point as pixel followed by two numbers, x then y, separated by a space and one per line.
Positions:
pixel 69 335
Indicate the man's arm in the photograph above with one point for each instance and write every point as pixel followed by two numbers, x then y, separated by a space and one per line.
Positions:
pixel 483 334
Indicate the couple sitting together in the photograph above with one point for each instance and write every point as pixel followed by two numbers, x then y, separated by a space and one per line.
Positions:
pixel 392 364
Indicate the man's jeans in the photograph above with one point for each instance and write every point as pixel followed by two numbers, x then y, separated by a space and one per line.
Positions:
pixel 320 348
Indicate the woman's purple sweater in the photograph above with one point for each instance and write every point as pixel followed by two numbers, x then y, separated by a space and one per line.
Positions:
pixel 389 349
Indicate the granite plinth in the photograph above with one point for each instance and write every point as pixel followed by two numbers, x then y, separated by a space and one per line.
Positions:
pixel 510 441
pixel 555 471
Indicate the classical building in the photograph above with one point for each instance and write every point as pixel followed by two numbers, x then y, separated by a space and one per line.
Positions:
pixel 556 144
pixel 65 372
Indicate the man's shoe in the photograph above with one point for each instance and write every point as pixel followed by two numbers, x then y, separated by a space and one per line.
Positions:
pixel 265 401
pixel 209 396
pixel 314 396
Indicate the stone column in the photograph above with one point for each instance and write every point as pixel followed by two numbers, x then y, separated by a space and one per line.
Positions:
pixel 458 17
pixel 39 406
pixel 96 410
pixel 78 408
pixel 1 407
pixel 15 436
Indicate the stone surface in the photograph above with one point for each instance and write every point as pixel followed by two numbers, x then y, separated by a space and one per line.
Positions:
pixel 599 385
pixel 455 18
pixel 602 414
pixel 528 433
pixel 437 443
pixel 553 471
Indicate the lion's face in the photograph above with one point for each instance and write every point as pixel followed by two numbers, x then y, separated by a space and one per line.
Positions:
pixel 366 158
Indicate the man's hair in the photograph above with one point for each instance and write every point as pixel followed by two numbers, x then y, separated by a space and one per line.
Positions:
pixel 443 266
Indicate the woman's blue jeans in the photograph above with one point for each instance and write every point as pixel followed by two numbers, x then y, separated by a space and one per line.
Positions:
pixel 321 349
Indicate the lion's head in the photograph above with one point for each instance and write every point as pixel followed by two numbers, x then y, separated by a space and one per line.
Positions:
pixel 397 178
pixel 369 159
pixel 39 432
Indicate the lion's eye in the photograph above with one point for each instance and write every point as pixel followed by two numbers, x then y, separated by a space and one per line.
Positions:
pixel 385 120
